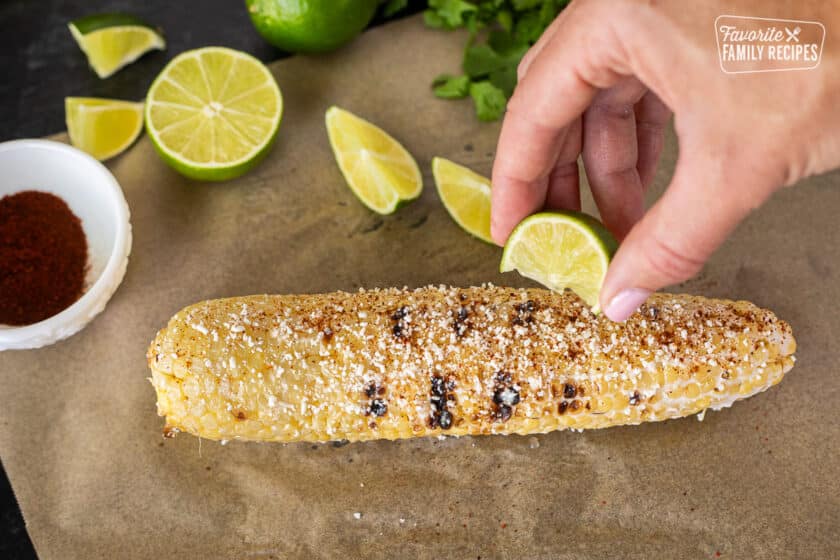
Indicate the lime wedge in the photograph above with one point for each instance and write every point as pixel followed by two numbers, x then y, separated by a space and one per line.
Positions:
pixel 378 169
pixel 465 195
pixel 213 113
pixel 562 250
pixel 112 41
pixel 103 128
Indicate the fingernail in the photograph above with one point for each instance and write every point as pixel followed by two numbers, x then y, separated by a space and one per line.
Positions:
pixel 626 303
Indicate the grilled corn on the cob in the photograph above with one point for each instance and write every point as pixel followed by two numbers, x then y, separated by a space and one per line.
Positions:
pixel 402 363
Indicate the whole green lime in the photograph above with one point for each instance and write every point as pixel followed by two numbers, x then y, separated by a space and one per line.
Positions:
pixel 310 25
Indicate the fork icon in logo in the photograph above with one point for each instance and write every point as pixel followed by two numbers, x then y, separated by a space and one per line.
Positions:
pixel 794 34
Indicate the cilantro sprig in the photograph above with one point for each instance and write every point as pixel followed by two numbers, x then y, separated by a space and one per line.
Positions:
pixel 501 31
pixel 391 7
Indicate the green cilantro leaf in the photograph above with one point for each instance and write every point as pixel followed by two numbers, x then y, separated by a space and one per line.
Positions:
pixel 505 20
pixel 500 33
pixel 548 12
pixel 489 100
pixel 488 10
pixel 480 60
pixel 523 5
pixel 506 45
pixel 433 20
pixel 528 27
pixel 452 12
pixel 491 5
pixel 473 24
pixel 504 79
pixel 393 6
pixel 451 87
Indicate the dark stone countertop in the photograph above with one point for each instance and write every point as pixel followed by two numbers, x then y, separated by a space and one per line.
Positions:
pixel 42 65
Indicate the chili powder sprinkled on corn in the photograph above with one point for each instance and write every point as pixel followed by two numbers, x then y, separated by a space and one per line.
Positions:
pixel 43 257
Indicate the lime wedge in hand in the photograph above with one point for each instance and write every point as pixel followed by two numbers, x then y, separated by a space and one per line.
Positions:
pixel 562 250
pixel 466 196
pixel 112 41
pixel 378 169
pixel 103 128
pixel 213 113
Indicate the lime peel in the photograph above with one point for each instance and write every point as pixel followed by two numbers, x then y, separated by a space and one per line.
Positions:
pixel 310 25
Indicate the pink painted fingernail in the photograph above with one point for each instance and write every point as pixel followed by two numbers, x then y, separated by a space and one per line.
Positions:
pixel 626 303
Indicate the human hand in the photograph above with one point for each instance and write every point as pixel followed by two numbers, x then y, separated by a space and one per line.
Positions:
pixel 602 82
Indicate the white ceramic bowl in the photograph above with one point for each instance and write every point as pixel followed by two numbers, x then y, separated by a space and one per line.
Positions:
pixel 94 196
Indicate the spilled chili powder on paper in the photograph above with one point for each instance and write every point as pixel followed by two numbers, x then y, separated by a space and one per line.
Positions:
pixel 43 257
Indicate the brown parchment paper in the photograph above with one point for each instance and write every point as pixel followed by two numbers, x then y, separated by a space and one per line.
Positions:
pixel 82 443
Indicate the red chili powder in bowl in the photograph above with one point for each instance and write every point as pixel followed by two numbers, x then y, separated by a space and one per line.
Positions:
pixel 43 257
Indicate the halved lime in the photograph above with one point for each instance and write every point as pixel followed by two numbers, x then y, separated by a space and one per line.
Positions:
pixel 562 250
pixel 378 169
pixel 213 113
pixel 112 41
pixel 103 128
pixel 465 195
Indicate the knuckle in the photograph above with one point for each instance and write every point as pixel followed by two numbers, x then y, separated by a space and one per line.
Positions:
pixel 672 264
pixel 653 115
pixel 518 168
pixel 613 110
pixel 522 68
pixel 785 167
pixel 651 127
pixel 614 176
pixel 652 141
pixel 565 171
pixel 518 108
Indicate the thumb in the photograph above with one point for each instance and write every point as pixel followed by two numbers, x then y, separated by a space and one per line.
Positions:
pixel 701 207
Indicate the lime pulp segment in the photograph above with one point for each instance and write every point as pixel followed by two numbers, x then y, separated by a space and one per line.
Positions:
pixel 378 169
pixel 103 128
pixel 562 250
pixel 112 41
pixel 465 195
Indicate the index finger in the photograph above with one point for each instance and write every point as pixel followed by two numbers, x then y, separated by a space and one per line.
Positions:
pixel 559 85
